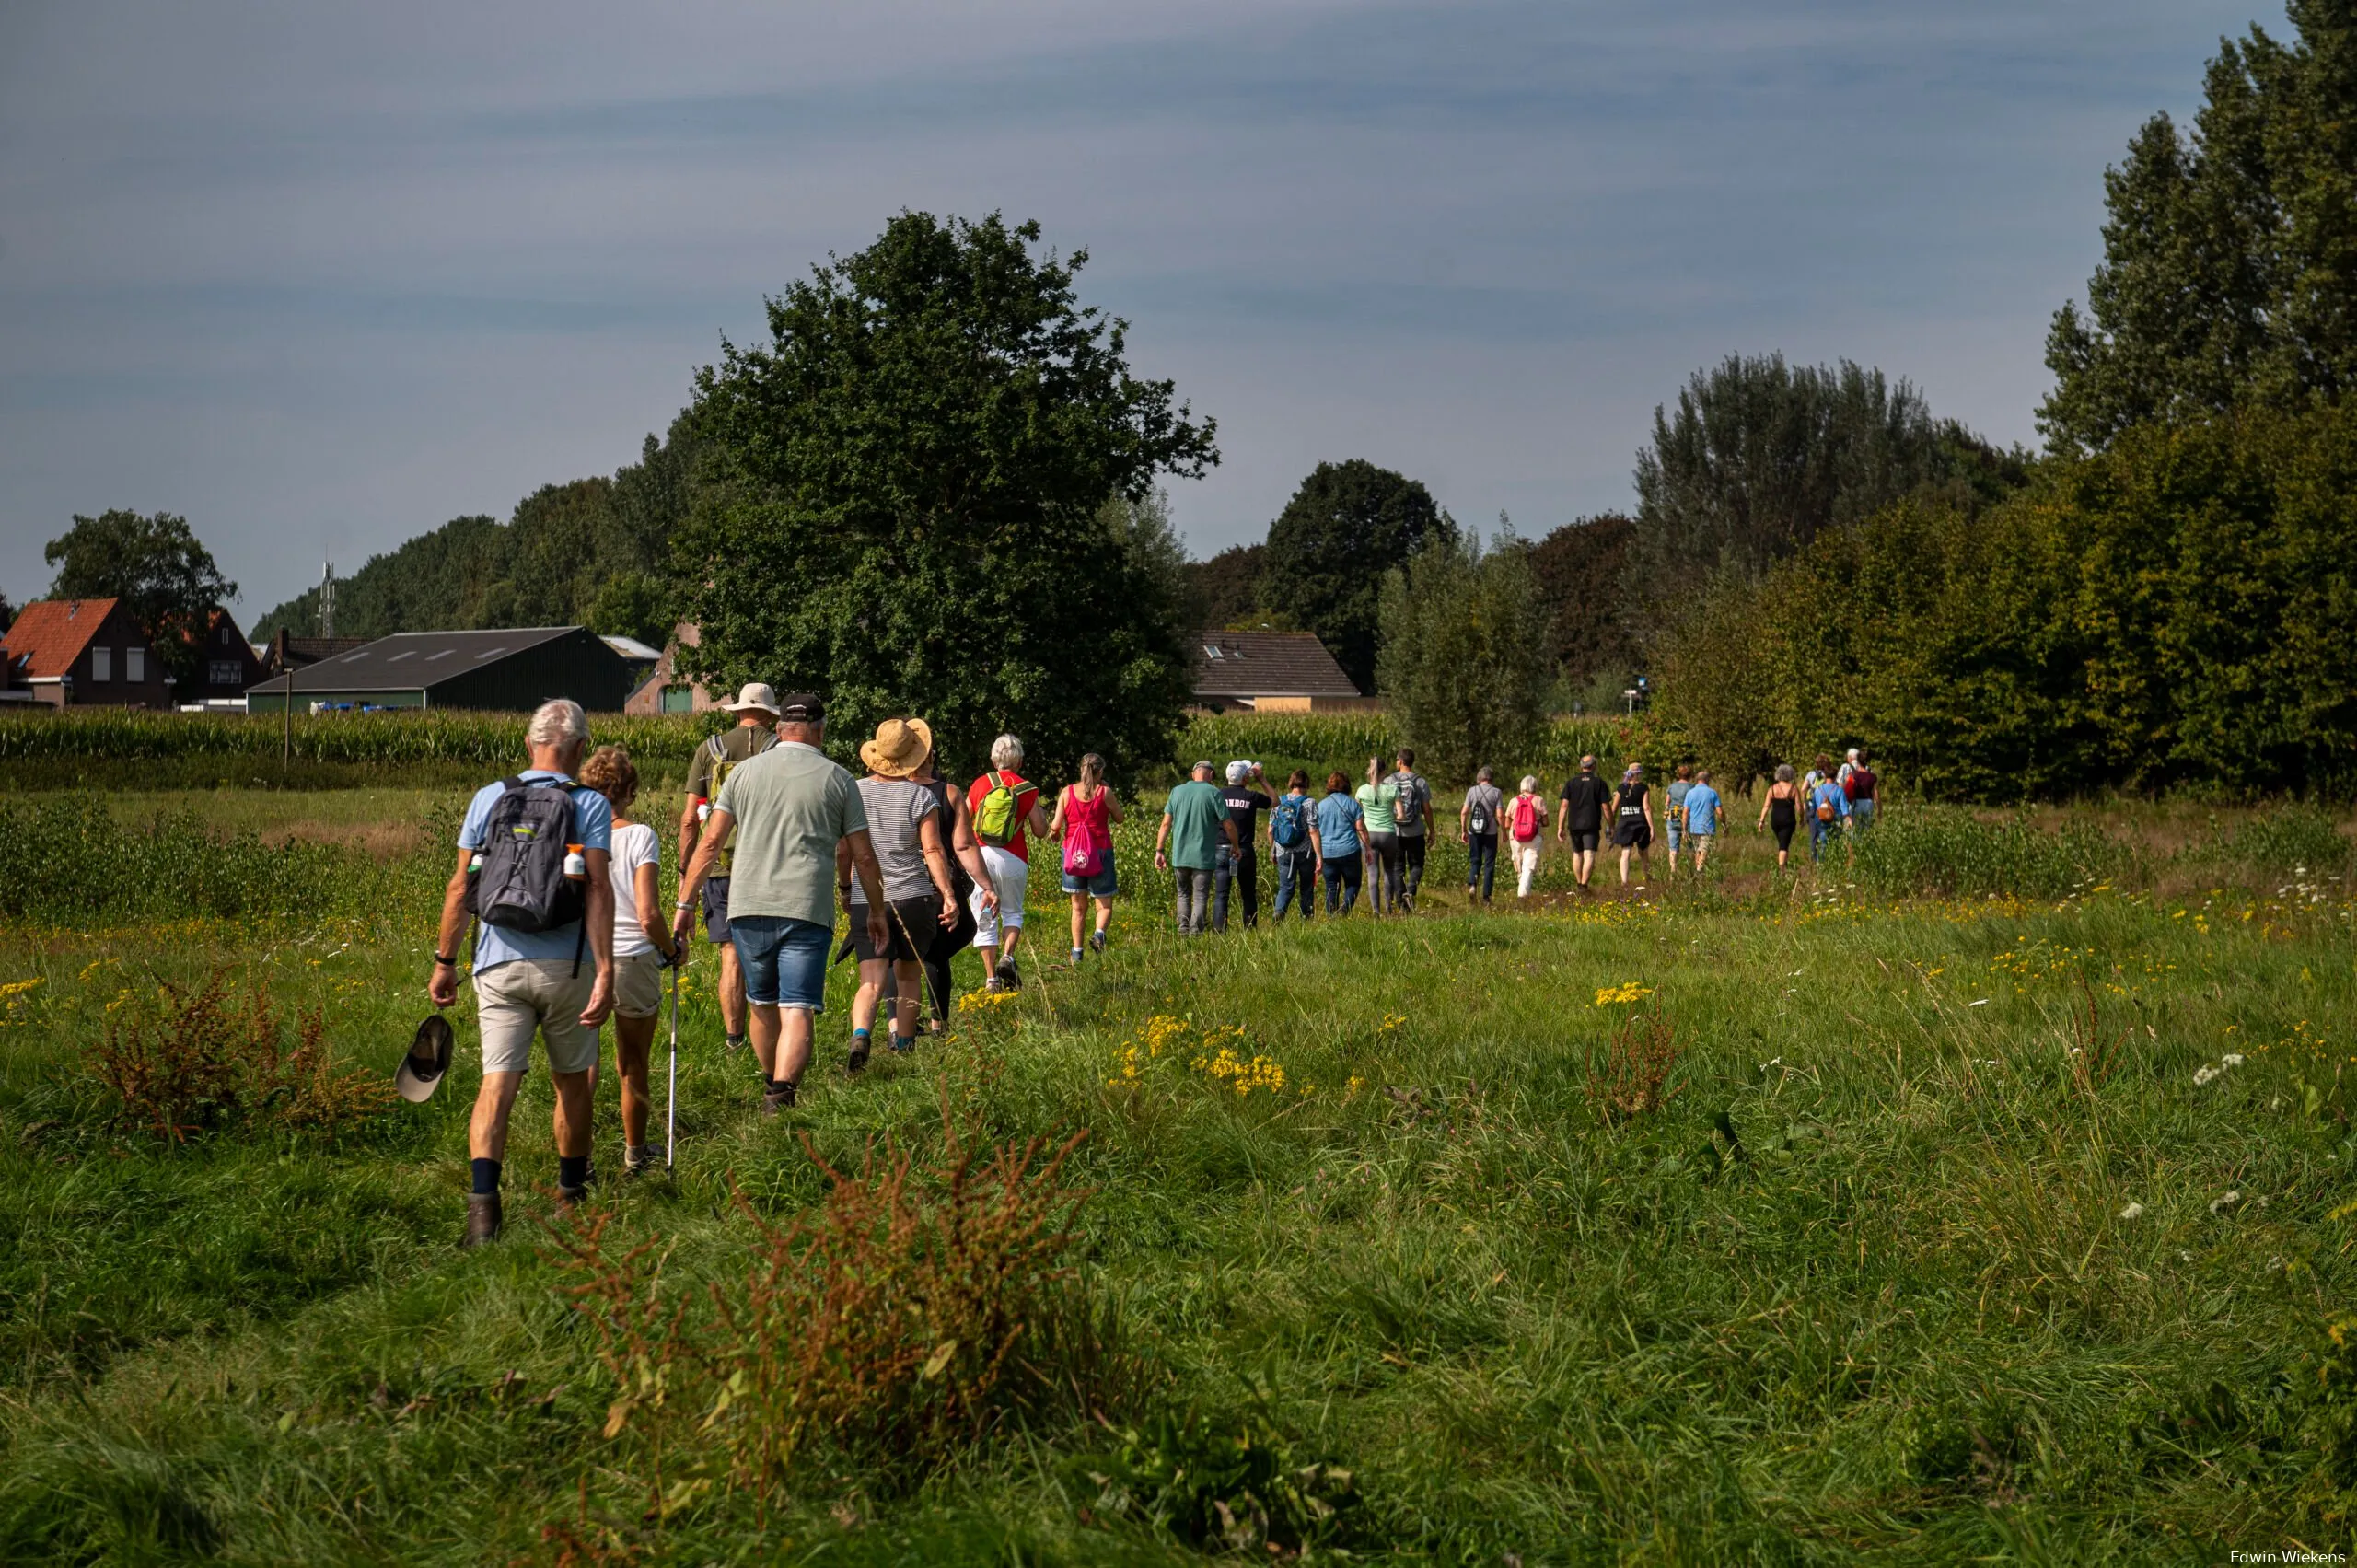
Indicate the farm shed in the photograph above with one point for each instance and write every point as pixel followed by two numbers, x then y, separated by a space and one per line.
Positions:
pixel 513 669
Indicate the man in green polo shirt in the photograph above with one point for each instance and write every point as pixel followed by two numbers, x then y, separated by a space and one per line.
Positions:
pixel 1195 822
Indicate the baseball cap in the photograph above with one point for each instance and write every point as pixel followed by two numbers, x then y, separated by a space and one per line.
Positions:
pixel 802 707
pixel 1238 772
pixel 422 1070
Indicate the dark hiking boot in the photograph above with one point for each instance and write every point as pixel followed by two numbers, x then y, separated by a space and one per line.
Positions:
pixel 857 1061
pixel 780 1099
pixel 483 1218
pixel 1009 977
pixel 1096 942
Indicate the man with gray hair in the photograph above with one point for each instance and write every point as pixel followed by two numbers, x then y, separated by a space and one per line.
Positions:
pixel 1195 824
pixel 531 871
pixel 1005 810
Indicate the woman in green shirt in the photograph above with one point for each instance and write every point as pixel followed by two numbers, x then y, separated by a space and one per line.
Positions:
pixel 1375 798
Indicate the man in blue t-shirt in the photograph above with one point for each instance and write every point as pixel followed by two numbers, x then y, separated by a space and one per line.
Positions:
pixel 1701 817
pixel 558 982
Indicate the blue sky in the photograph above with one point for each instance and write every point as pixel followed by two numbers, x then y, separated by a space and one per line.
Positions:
pixel 320 276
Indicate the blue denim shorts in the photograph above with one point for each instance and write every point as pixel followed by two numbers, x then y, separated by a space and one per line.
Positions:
pixel 785 960
pixel 1104 885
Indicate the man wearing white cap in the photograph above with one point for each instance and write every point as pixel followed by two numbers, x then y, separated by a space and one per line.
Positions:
pixel 756 731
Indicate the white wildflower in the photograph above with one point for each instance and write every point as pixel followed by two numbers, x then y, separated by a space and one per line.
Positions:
pixel 1982 1003
pixel 2133 1210
pixel 2231 1058
pixel 2224 1200
pixel 2204 1075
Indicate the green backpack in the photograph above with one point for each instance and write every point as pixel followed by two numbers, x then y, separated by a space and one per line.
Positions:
pixel 998 821
pixel 722 766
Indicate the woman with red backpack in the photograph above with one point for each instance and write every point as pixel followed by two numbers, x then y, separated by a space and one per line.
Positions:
pixel 1087 813
pixel 1525 830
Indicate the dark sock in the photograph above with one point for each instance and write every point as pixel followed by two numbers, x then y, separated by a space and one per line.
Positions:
pixel 486 1174
pixel 573 1170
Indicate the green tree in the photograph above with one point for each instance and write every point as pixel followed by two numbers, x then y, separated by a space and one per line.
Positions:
pixel 1348 524
pixel 634 604
pixel 2230 256
pixel 156 565
pixel 1581 567
pixel 1225 591
pixel 1463 653
pixel 1760 458
pixel 2179 608
pixel 905 502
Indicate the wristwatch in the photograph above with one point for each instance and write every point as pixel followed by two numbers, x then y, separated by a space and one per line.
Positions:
pixel 441 958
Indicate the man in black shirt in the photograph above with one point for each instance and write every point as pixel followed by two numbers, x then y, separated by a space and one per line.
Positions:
pixel 1580 820
pixel 1241 864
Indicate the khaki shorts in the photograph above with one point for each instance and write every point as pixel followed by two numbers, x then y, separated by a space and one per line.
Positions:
pixel 514 998
pixel 638 984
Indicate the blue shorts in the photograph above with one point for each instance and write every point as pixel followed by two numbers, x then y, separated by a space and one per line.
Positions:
pixel 1104 885
pixel 785 960
pixel 716 908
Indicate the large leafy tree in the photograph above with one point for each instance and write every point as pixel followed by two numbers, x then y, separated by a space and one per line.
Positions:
pixel 907 502
pixel 1760 456
pixel 156 565
pixel 2230 256
pixel 1580 568
pixel 1328 551
pixel 1225 591
pixel 1463 653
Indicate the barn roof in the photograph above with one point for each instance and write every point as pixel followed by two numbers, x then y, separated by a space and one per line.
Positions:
pixel 1267 663
pixel 413 661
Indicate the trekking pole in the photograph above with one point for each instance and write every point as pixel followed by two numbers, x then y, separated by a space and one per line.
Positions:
pixel 671 1089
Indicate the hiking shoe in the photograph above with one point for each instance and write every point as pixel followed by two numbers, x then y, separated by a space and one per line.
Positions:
pixel 736 1043
pixel 857 1061
pixel 1076 959
pixel 638 1158
pixel 901 1047
pixel 1009 977
pixel 778 1099
pixel 483 1218
pixel 1096 942
pixel 995 985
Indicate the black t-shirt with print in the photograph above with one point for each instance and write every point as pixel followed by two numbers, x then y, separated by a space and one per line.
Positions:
pixel 1244 805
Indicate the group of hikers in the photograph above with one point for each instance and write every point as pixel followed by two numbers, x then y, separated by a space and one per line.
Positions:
pixel 558 879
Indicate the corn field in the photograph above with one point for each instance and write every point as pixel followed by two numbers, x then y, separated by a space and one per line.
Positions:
pixel 660 742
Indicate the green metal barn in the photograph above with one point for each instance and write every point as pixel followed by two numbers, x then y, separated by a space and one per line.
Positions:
pixel 513 669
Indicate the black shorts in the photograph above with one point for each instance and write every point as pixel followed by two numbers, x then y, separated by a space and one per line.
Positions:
pixel 1585 840
pixel 913 925
pixel 716 908
pixel 1783 832
pixel 1634 834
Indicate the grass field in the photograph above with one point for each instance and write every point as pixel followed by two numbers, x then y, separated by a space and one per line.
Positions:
pixel 1982 1197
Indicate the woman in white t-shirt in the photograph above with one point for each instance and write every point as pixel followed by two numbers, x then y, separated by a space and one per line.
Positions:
pixel 643 948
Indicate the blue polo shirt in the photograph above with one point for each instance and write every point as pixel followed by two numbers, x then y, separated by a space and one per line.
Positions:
pixel 1702 810
pixel 593 821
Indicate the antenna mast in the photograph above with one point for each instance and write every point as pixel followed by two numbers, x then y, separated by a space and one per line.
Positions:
pixel 327 604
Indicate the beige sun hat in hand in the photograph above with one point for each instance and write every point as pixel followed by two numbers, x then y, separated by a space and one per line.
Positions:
pixel 755 698
pixel 898 750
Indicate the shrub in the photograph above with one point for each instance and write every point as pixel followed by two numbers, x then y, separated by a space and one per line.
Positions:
pixel 201 1062
pixel 1930 849
pixel 911 1312
pixel 2294 837
pixel 1626 1079
pixel 1226 1489
pixel 71 861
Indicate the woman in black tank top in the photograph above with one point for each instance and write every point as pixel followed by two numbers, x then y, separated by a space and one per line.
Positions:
pixel 959 833
pixel 1780 811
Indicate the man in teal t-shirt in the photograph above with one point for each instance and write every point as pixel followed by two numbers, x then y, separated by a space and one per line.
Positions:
pixel 1194 823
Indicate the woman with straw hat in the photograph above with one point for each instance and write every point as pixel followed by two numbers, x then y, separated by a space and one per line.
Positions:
pixel 905 827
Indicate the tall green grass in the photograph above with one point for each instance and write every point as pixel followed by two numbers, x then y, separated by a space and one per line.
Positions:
pixel 1923 849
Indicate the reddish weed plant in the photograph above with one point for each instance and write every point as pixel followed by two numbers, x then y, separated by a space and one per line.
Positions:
pixel 1628 1077
pixel 203 1057
pixel 915 1309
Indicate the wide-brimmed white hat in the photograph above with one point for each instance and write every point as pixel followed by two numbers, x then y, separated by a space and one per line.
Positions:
pixel 755 698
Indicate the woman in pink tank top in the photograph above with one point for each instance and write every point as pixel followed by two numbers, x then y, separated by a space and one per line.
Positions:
pixel 1086 813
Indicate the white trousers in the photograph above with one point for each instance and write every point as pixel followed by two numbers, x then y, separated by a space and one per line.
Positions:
pixel 1010 877
pixel 1526 866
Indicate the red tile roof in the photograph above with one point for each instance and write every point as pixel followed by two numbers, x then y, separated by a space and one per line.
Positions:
pixel 48 634
pixel 1267 663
